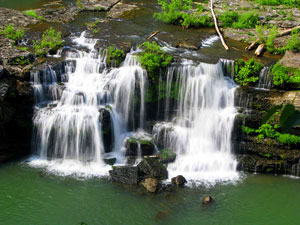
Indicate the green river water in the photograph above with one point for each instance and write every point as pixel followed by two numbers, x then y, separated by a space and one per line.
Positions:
pixel 30 197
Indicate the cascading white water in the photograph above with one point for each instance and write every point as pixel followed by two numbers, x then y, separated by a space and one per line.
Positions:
pixel 68 132
pixel 201 134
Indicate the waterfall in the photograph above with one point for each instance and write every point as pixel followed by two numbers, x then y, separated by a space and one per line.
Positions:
pixel 68 132
pixel 265 79
pixel 201 131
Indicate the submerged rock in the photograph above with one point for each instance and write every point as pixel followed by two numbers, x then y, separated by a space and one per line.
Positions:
pixel 122 9
pixel 179 180
pixel 151 184
pixel 207 199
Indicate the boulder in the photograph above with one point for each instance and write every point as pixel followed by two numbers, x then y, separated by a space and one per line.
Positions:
pixel 124 174
pixel 150 167
pixel 110 161
pixel 98 5
pixel 167 155
pixel 140 144
pixel 122 9
pixel 207 199
pixel 151 184
pixel 179 180
pixel 107 129
pixel 291 59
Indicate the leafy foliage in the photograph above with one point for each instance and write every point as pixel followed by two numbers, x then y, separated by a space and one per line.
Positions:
pixel 271 112
pixel 175 12
pixel 115 56
pixel 279 2
pixel 247 72
pixel 228 18
pixel 11 33
pixel 283 76
pixel 153 58
pixel 294 42
pixel 33 14
pixel 246 20
pixel 51 41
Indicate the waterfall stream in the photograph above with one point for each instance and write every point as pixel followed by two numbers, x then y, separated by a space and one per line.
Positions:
pixel 69 137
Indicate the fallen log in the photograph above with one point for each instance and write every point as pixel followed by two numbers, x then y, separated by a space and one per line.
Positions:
pixel 152 35
pixel 259 50
pixel 282 33
pixel 216 25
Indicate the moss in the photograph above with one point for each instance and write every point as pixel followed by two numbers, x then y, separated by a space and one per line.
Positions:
pixel 12 33
pixel 115 55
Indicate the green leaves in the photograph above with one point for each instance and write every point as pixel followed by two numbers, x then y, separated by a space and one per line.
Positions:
pixel 115 55
pixel 247 72
pixel 11 33
pixel 291 121
pixel 271 112
pixel 153 59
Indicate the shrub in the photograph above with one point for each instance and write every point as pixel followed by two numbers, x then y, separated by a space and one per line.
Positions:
pixel 288 139
pixel 283 76
pixel 11 33
pixel 228 18
pixel 279 2
pixel 115 56
pixel 247 72
pixel 294 42
pixel 33 14
pixel 246 20
pixel 175 12
pixel 51 42
pixel 153 58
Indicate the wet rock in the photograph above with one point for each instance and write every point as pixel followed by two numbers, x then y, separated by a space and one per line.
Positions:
pixel 125 174
pixel 167 155
pixel 151 184
pixel 291 59
pixel 98 5
pixel 179 180
pixel 107 129
pixel 110 161
pixel 121 9
pixel 139 144
pixel 58 14
pixel 207 199
pixel 187 45
pixel 150 167
pixel 3 91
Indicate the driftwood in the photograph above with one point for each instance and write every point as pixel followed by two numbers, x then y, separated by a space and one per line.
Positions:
pixel 152 35
pixel 259 50
pixel 216 25
pixel 282 33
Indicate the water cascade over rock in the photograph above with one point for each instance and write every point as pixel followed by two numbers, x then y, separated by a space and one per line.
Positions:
pixel 87 112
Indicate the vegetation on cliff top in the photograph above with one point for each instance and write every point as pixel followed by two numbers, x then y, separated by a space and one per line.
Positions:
pixel 285 77
pixel 115 56
pixel 12 33
pixel 247 72
pixel 181 12
pixel 153 58
pixel 51 42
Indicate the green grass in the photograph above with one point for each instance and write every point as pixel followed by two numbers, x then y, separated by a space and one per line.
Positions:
pixel 12 33
pixel 33 14
pixel 175 12
pixel 79 4
pixel 247 72
pixel 295 3
pixel 51 42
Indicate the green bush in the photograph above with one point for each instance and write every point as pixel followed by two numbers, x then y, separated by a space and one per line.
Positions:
pixel 246 20
pixel 288 139
pixel 11 33
pixel 175 12
pixel 79 4
pixel 279 2
pixel 228 18
pixel 115 56
pixel 294 42
pixel 247 72
pixel 33 14
pixel 51 42
pixel 153 58
pixel 284 76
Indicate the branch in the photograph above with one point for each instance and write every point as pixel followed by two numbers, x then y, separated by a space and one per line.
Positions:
pixel 216 25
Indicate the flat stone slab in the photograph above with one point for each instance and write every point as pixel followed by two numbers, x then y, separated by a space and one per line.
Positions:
pixel 121 9
pixel 291 59
pixel 98 5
